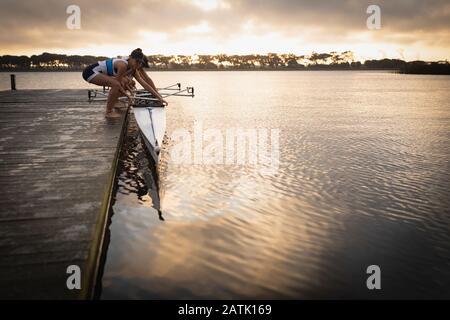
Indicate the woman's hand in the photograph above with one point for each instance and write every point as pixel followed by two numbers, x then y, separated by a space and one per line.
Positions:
pixel 150 89
pixel 164 102
pixel 127 84
pixel 132 85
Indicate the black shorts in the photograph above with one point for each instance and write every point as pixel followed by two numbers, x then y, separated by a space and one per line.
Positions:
pixel 89 72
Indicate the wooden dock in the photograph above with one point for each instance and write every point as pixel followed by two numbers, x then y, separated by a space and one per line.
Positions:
pixel 58 156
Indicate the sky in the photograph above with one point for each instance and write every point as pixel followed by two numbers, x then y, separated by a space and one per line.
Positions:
pixel 410 29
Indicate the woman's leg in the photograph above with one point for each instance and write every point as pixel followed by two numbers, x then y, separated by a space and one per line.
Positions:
pixel 114 92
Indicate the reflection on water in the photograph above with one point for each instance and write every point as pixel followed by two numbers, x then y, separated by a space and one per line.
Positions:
pixel 363 179
pixel 137 174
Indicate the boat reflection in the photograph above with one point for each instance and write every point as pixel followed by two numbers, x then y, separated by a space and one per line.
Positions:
pixel 138 171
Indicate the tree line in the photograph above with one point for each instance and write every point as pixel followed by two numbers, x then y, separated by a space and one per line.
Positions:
pixel 272 61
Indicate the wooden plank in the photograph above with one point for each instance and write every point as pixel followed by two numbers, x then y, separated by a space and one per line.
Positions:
pixel 58 156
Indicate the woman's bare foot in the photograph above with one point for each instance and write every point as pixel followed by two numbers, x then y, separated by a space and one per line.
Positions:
pixel 112 115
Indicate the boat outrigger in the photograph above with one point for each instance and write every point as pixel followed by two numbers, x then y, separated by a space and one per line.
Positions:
pixel 150 114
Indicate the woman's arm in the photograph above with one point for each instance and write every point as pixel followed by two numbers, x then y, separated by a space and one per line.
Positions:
pixel 122 70
pixel 147 79
pixel 121 78
pixel 122 75
pixel 149 88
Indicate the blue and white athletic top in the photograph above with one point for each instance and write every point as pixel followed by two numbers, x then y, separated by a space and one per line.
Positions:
pixel 107 66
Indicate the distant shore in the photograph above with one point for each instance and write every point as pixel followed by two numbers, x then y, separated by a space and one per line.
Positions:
pixel 238 70
pixel 207 70
pixel 48 62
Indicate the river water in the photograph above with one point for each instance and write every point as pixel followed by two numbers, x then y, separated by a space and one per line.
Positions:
pixel 359 175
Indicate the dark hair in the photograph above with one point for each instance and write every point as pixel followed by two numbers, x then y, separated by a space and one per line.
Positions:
pixel 140 57
pixel 137 54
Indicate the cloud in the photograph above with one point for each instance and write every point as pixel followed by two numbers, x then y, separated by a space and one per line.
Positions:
pixel 217 25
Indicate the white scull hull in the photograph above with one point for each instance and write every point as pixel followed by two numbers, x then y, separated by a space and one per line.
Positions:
pixel 152 123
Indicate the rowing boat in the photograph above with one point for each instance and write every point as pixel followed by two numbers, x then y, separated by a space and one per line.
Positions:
pixel 150 115
pixel 152 123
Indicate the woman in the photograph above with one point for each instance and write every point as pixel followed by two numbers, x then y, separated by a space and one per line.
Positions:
pixel 117 74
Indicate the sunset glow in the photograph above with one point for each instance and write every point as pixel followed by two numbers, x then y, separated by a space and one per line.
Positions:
pixel 233 27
